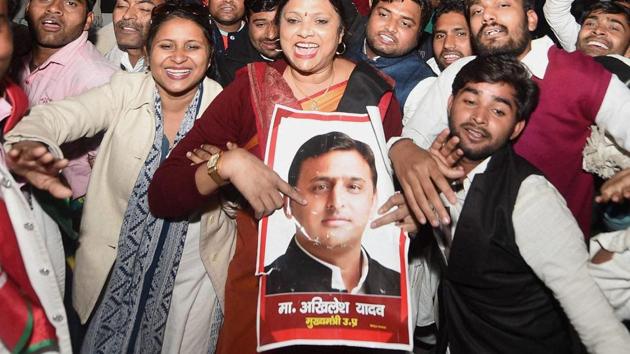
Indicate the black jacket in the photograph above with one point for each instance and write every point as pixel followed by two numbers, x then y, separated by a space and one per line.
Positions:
pixel 295 271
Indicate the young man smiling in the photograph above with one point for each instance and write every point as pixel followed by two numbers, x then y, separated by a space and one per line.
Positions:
pixel 515 278
pixel 131 19
pixel 605 25
pixel 451 42
pixel 605 30
pixel 387 40
pixel 229 30
pixel 261 44
pixel 451 35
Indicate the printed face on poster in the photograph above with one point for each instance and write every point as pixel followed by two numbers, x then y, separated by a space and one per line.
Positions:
pixel 327 277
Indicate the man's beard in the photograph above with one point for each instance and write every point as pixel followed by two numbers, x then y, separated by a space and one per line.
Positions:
pixel 514 46
pixel 484 151
pixel 442 62
pixel 227 21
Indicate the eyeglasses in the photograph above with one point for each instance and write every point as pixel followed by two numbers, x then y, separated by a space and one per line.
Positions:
pixel 169 7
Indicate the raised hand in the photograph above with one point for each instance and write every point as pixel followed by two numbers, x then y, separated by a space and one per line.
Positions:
pixel 419 175
pixel 33 161
pixel 446 152
pixel 615 189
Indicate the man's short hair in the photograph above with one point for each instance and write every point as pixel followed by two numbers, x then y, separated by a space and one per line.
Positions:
pixel 447 7
pixel 527 5
pixel 322 144
pixel 256 6
pixel 607 7
pixel 425 13
pixel 501 69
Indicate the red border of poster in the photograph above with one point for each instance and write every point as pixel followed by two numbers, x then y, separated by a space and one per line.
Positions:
pixel 330 318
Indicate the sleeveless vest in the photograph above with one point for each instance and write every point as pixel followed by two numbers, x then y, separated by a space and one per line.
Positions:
pixel 492 301
pixel 571 94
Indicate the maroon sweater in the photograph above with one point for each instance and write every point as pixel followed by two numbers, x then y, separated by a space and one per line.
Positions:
pixel 571 94
pixel 173 193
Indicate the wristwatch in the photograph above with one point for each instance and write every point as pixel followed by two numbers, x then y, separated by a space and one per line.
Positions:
pixel 213 169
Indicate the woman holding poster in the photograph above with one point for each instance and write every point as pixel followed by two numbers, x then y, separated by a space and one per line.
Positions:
pixel 311 78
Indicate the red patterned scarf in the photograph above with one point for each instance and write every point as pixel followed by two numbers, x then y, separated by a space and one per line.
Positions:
pixel 268 88
pixel 19 104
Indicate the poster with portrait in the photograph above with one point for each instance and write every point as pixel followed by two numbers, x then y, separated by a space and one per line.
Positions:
pixel 326 276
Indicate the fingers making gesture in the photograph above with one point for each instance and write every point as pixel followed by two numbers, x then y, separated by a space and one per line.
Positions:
pixel 33 161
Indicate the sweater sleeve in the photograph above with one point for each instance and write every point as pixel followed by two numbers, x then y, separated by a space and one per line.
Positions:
pixel 562 23
pixel 551 243
pixel 429 117
pixel 229 118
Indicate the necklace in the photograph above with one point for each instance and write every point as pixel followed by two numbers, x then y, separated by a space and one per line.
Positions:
pixel 313 99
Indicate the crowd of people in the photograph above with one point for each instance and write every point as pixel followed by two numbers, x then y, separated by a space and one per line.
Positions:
pixel 132 178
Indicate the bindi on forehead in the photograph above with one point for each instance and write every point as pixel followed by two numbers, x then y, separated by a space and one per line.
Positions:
pixel 306 13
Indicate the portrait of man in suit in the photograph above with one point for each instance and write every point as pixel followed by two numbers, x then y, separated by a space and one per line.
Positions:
pixel 338 177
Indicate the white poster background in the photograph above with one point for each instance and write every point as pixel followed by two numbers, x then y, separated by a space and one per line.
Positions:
pixel 292 133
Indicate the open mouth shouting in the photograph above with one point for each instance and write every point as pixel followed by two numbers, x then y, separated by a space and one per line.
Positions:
pixel 227 8
pixel 386 38
pixel 474 133
pixel 306 50
pixel 598 44
pixel 51 24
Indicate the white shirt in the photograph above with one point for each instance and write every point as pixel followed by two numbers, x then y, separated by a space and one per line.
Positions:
pixel 336 281
pixel 613 276
pixel 434 66
pixel 430 117
pixel 551 243
pixel 119 57
pixel 375 58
